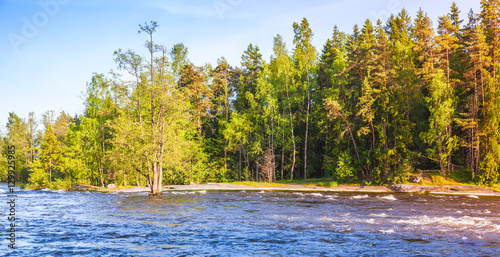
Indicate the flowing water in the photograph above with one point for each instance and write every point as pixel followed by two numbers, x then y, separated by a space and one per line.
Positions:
pixel 251 223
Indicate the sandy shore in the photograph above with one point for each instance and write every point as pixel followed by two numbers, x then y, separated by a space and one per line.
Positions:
pixel 399 188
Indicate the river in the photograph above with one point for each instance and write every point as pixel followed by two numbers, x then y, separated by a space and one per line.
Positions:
pixel 251 223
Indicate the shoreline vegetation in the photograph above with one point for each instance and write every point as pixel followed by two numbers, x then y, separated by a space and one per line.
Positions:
pixel 352 188
pixel 311 185
pixel 389 99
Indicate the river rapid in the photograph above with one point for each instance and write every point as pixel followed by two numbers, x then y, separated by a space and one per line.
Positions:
pixel 251 223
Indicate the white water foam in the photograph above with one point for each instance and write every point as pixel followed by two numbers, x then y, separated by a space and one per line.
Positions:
pixel 379 215
pixel 462 222
pixel 3 191
pixel 202 192
pixel 473 196
pixel 389 197
pixel 315 194
pixel 359 196
pixel 348 220
pixel 386 231
pixel 331 197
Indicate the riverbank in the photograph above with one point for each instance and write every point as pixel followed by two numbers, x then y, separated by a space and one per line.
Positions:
pixel 250 186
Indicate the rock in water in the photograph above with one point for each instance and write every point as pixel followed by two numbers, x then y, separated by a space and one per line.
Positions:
pixel 111 186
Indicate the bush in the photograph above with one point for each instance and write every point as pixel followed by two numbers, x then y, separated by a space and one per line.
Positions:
pixel 345 171
pixel 60 184
pixel 461 176
pixel 438 179
pixel 400 176
pixel 38 176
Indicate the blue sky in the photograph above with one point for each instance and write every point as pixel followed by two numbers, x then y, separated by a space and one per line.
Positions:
pixel 50 48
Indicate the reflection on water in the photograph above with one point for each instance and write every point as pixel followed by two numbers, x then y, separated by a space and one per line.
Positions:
pixel 254 223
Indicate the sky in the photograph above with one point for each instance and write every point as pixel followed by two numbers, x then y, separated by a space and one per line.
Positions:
pixel 49 49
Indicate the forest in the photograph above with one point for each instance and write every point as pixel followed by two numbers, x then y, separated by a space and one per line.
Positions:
pixel 388 98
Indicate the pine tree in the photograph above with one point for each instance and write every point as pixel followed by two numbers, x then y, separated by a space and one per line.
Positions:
pixel 194 80
pixel 222 88
pixel 475 77
pixel 17 131
pixel 51 154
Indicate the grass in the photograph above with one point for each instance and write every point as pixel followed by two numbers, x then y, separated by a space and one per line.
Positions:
pixel 324 182
pixel 459 178
pixel 257 184
pixel 328 184
pixel 437 179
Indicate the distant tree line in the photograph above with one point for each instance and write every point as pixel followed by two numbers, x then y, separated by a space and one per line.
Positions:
pixel 386 99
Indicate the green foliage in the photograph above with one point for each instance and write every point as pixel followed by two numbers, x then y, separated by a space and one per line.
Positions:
pixel 438 179
pixel 51 157
pixel 401 175
pixel 16 136
pixel 441 106
pixel 345 171
pixel 328 184
pixel 38 176
pixel 3 160
pixel 60 184
pixel 460 176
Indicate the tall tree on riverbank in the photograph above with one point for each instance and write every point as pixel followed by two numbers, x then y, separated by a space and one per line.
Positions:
pixel 490 20
pixel 283 73
pixel 304 55
pixel 17 131
pixel 52 155
pixel 442 108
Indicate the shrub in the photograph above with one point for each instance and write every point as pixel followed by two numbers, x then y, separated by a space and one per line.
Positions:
pixel 438 179
pixel 345 171
pixel 60 184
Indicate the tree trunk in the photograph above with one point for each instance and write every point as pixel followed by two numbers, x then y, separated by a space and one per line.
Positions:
pixel 257 171
pixel 283 147
pixel 154 188
pixel 159 182
pixel 307 125
pixel 226 109
pixel 239 166
pixel 291 128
